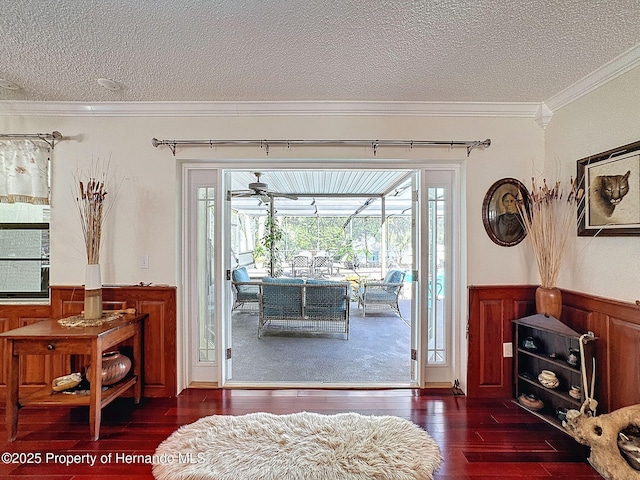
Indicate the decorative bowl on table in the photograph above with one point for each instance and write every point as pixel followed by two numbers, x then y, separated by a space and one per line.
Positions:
pixel 115 367
pixel 531 401
pixel 548 379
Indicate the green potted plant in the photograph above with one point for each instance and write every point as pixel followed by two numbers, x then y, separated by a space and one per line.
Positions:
pixel 258 255
pixel 270 240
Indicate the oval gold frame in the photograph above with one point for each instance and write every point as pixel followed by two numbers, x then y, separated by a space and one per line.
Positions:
pixel 492 209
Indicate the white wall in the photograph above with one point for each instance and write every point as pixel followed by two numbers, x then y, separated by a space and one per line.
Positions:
pixel 606 118
pixel 145 221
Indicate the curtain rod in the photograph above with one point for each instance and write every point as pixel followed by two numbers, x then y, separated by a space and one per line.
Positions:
pixel 374 144
pixel 50 138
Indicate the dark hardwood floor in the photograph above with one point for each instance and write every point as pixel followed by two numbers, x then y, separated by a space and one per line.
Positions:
pixel 479 439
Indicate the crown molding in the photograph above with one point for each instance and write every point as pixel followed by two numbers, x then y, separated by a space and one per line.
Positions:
pixel 609 71
pixel 616 67
pixel 258 109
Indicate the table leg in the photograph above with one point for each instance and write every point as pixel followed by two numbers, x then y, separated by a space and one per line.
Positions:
pixel 137 363
pixel 13 387
pixel 95 397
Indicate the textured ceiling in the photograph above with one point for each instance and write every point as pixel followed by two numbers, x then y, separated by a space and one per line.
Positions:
pixel 308 50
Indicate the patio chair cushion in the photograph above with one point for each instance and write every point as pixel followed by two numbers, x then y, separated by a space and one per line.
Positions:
pixel 382 293
pixel 393 276
pixel 244 292
pixel 385 291
pixel 248 293
pixel 326 302
pixel 282 296
pixel 285 280
pixel 240 275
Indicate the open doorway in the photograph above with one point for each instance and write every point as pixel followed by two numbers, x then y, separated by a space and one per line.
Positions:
pixel 423 198
pixel 332 227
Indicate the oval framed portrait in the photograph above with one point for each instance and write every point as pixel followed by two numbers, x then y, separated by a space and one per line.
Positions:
pixel 500 213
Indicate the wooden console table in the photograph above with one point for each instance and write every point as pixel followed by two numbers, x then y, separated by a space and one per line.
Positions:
pixel 50 338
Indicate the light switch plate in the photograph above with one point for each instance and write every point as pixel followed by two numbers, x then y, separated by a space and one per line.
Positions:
pixel 507 350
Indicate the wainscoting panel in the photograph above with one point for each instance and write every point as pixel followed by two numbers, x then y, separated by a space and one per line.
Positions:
pixel 491 311
pixel 491 371
pixel 160 378
pixel 615 323
pixel 624 358
pixel 159 335
pixel 4 326
pixel 36 371
pixel 161 332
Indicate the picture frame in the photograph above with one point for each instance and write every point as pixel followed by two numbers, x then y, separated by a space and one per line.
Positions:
pixel 500 214
pixel 611 183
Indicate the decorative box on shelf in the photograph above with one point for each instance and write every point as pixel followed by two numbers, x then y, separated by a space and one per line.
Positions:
pixel 548 377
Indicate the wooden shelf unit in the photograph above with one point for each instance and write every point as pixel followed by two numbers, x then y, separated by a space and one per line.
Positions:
pixel 45 397
pixel 552 337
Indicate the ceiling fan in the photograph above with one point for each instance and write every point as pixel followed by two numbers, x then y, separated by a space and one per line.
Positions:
pixel 261 190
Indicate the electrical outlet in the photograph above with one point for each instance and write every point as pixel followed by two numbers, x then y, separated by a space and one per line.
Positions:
pixel 144 262
pixel 507 350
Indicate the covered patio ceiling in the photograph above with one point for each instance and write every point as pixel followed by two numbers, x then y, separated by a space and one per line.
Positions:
pixel 325 192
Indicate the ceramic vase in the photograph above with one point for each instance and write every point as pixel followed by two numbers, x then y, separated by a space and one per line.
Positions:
pixel 92 292
pixel 549 301
pixel 115 367
pixel 548 379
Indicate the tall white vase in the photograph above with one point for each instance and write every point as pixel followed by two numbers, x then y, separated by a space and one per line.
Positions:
pixel 92 292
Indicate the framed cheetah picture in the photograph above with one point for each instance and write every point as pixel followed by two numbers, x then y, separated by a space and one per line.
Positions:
pixel 611 182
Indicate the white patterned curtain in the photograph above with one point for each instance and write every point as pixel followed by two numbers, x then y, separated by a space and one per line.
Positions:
pixel 24 172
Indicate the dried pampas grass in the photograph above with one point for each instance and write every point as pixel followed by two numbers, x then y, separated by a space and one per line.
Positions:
pixel 90 198
pixel 548 216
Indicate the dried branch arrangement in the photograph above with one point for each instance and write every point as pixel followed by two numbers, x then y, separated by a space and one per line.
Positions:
pixel 90 200
pixel 548 217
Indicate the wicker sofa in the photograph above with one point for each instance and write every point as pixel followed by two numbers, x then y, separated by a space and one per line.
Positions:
pixel 298 305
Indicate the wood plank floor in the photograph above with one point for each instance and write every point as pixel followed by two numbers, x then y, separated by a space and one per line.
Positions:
pixel 479 439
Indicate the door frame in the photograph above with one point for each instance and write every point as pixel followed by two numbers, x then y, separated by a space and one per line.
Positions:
pixel 458 280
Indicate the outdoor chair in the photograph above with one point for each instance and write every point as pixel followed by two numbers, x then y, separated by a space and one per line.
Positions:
pixel 381 294
pixel 244 289
pixel 302 264
pixel 322 263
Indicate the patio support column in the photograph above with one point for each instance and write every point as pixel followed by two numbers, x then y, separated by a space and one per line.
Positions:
pixel 383 241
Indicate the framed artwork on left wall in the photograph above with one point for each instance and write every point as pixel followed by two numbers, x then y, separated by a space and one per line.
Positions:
pixel 500 212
